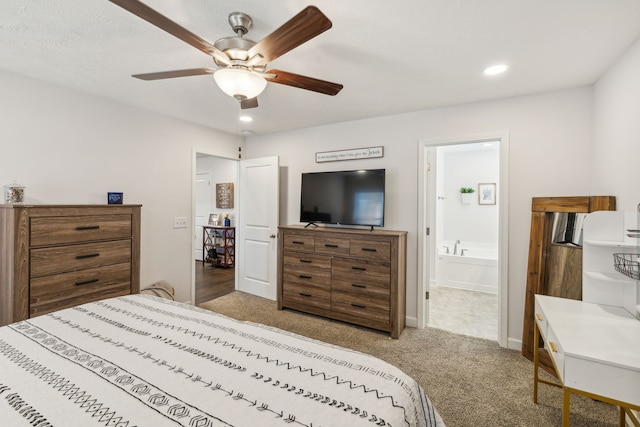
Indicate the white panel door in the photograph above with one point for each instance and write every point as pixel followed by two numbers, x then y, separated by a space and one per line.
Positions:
pixel 258 227
pixel 204 201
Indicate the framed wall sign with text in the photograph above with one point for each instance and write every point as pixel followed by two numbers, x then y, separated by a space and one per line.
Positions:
pixel 224 195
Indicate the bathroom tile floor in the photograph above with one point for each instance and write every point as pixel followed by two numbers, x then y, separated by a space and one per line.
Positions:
pixel 464 312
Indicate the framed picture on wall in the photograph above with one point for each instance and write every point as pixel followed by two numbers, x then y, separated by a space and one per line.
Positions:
pixel 224 195
pixel 487 194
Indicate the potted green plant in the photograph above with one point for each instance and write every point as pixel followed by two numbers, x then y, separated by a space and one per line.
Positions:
pixel 466 195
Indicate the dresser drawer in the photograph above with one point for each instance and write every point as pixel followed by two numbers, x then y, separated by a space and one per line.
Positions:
pixel 79 282
pixel 63 259
pixel 363 270
pixel 306 260
pixel 355 305
pixel 83 228
pixel 312 296
pixel 310 276
pixel 299 242
pixel 361 288
pixel 47 306
pixel 332 245
pixel 370 249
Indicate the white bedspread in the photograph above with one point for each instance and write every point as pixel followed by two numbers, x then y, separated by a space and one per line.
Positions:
pixel 144 361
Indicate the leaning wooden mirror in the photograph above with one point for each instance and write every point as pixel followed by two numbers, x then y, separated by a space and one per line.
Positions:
pixel 555 255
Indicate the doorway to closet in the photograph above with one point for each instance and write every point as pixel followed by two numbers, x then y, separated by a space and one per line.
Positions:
pixel 211 280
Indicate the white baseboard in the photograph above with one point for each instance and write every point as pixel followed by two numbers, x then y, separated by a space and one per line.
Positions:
pixel 411 322
pixel 514 344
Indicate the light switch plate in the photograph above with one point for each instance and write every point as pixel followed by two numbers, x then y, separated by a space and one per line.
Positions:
pixel 180 222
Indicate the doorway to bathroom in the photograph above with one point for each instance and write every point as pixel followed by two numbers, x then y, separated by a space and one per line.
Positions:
pixel 463 275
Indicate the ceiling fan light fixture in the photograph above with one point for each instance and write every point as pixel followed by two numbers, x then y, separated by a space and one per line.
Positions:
pixel 239 83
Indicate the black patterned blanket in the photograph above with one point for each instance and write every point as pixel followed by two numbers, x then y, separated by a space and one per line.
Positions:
pixel 144 361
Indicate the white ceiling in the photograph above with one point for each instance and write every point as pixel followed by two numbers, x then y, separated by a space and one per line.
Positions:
pixel 391 57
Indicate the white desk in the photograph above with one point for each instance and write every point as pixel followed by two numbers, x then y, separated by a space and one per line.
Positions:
pixel 595 350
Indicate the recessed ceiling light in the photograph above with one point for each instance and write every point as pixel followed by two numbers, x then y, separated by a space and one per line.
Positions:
pixel 246 119
pixel 496 69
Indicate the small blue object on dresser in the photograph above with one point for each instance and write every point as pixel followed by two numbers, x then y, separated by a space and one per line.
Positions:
pixel 114 198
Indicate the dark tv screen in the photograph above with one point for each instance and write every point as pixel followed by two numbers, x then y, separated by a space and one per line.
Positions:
pixel 343 197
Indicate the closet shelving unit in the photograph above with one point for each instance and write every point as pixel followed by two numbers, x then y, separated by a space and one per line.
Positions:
pixel 219 246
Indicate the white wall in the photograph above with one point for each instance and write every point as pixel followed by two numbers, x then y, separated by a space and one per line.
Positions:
pixel 616 167
pixel 222 171
pixel 71 147
pixel 472 222
pixel 550 155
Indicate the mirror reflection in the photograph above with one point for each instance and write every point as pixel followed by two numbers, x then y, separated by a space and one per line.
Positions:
pixel 567 228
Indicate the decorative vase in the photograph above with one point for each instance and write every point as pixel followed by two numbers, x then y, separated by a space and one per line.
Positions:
pixel 227 222
pixel 466 198
pixel 14 193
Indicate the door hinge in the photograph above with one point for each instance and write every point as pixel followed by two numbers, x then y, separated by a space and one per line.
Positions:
pixel 427 231
pixel 426 295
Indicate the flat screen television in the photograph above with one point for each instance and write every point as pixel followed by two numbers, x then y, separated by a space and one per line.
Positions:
pixel 343 197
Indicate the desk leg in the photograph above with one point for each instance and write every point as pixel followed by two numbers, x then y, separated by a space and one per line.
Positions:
pixel 621 423
pixel 566 400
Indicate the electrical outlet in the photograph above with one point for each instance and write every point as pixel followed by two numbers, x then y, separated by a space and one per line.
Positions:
pixel 180 222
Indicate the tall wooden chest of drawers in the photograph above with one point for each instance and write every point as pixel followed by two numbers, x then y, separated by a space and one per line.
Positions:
pixel 59 256
pixel 356 276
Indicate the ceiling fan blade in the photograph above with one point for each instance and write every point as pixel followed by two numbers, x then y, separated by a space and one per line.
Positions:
pixel 304 82
pixel 153 17
pixel 175 73
pixel 249 103
pixel 298 30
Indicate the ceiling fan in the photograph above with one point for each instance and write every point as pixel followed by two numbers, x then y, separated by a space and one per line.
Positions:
pixel 241 70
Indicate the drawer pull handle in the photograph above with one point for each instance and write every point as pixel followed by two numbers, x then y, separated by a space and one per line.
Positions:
pixel 359 268
pixel 303 276
pixel 306 261
pixel 369 250
pixel 305 295
pixel 553 346
pixel 538 316
pixel 86 282
pixel 297 242
pixel 88 227
pixel 327 245
pixel 87 256
pixel 357 285
pixel 358 305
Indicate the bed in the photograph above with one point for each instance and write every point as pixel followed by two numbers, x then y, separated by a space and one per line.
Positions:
pixel 140 360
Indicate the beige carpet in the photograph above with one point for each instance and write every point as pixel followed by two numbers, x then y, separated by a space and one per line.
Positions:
pixel 471 381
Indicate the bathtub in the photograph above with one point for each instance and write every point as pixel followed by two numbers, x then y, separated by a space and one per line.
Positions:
pixel 476 270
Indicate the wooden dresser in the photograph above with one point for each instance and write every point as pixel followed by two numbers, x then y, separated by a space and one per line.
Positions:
pixel 59 256
pixel 356 276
